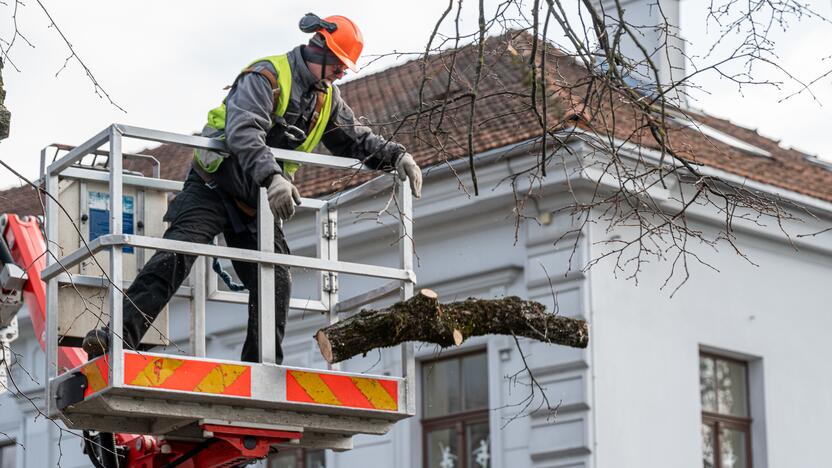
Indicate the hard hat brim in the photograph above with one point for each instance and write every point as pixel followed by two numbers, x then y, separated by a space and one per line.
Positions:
pixel 332 45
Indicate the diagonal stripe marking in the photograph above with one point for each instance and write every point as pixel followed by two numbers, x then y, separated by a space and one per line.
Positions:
pixel 294 392
pixel 133 365
pixel 96 380
pixel 392 388
pixel 346 391
pixel 241 386
pixel 156 372
pixel 220 377
pixel 188 375
pixel 376 394
pixel 315 388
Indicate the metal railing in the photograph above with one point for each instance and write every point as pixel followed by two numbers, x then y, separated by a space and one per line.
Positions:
pixel 326 262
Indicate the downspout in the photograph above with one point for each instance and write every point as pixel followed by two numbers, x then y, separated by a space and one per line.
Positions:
pixel 593 407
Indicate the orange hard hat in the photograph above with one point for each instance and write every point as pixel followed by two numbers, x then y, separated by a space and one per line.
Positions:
pixel 342 37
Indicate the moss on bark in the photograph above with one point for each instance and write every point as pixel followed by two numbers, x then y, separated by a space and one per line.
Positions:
pixel 5 115
pixel 422 318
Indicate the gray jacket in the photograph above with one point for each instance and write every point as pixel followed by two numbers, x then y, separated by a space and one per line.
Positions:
pixel 248 124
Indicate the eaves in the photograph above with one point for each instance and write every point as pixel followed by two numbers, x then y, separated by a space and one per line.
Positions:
pixel 636 152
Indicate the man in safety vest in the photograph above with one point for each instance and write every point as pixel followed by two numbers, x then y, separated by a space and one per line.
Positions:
pixel 285 101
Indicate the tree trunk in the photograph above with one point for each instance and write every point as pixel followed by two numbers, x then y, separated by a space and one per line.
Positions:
pixel 422 318
pixel 5 115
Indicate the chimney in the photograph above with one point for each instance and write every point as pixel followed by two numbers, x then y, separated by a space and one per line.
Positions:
pixel 655 24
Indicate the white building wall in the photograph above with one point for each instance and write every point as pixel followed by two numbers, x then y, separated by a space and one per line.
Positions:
pixel 773 313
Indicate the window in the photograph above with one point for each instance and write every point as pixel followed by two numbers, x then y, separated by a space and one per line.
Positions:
pixel 8 452
pixel 455 412
pixel 726 423
pixel 298 458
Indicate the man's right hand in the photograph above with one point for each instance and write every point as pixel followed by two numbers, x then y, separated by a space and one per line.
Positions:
pixel 283 196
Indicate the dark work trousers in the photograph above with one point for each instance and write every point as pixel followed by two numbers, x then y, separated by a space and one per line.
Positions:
pixel 198 214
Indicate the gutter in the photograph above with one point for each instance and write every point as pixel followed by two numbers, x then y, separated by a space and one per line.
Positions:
pixel 651 155
pixel 654 156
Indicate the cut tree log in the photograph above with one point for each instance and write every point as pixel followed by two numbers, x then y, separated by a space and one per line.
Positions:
pixel 422 318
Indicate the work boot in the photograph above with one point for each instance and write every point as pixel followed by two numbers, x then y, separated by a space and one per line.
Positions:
pixel 96 343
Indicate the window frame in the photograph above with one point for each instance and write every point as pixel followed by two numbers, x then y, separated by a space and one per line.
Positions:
pixel 721 421
pixel 459 421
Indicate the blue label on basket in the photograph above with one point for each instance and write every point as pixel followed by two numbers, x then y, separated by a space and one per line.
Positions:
pixel 100 216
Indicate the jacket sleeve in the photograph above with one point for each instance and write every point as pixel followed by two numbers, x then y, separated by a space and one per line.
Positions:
pixel 247 121
pixel 346 136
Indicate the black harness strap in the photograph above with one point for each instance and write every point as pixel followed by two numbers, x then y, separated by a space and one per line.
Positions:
pixel 265 73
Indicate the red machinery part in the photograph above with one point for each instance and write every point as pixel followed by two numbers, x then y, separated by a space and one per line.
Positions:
pixel 225 446
pixel 28 250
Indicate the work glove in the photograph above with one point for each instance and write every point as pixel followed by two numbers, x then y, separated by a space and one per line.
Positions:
pixel 283 196
pixel 406 168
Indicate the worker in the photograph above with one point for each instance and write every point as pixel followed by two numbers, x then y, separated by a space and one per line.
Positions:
pixel 286 101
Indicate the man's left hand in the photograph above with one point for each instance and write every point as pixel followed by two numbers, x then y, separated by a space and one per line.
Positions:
pixel 407 168
pixel 283 196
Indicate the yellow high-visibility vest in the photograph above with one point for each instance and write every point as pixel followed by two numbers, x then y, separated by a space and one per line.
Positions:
pixel 210 161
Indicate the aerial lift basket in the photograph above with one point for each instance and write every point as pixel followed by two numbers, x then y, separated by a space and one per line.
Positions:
pixel 178 396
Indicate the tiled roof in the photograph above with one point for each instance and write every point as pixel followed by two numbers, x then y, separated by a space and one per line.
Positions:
pixel 21 200
pixel 389 99
pixel 174 163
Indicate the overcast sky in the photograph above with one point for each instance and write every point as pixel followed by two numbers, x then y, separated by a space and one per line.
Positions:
pixel 166 62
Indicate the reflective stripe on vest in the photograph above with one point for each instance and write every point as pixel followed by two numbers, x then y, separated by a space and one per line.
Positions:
pixel 210 161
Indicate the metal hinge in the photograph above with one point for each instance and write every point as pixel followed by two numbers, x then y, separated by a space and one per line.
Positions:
pixel 330 282
pixel 12 277
pixel 329 229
